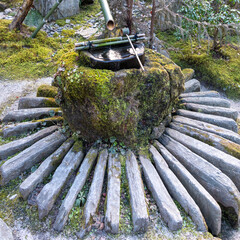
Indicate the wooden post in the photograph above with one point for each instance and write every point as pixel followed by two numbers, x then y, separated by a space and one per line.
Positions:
pixel 21 14
pixel 152 23
pixel 129 14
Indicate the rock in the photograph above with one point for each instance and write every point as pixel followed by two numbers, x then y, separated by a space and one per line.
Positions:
pixel 87 33
pixel 118 99
pixel 188 74
pixel 13 167
pixel 166 206
pixel 16 146
pixel 37 102
pixel 158 131
pixel 208 206
pixel 192 85
pixel 219 111
pixel 68 21
pixel 137 194
pixel 201 94
pixel 3 6
pixel 95 191
pixel 76 187
pixel 212 179
pixel 47 91
pixel 46 167
pixel 228 134
pixel 7 11
pixel 51 191
pixel 33 113
pixel 212 139
pixel 176 189
pixel 225 162
pixel 18 129
pixel 5 231
pixel 112 213
pixel 210 101
pixel 212 119
pixel 67 8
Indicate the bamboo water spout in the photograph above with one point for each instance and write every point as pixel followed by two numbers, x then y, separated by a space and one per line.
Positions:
pixel 107 14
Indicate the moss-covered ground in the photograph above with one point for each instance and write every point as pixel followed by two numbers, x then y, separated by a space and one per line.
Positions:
pixel 220 70
pixel 24 58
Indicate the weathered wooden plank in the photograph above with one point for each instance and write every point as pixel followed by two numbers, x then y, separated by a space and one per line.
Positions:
pixel 209 101
pixel 212 119
pixel 16 146
pixel 76 187
pixel 113 194
pixel 30 114
pixel 166 206
pixel 225 162
pixel 18 129
pixel 95 191
pixel 46 167
pixel 225 133
pixel 176 189
pixel 30 156
pixel 219 111
pixel 47 197
pixel 207 204
pixel 36 102
pixel 137 194
pixel 212 139
pixel 212 179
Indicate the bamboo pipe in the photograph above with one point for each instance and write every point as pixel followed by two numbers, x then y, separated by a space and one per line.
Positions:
pixel 107 15
pixel 46 18
pixel 109 40
pixel 87 47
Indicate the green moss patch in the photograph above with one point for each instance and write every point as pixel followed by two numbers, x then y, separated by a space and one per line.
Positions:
pixel 47 91
pixel 220 70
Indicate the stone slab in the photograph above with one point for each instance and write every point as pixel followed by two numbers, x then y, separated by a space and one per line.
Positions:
pixel 209 101
pixel 95 191
pixel 50 192
pixel 176 189
pixel 207 204
pixel 225 162
pixel 18 129
pixel 36 102
pixel 211 139
pixel 223 122
pixel 16 146
pixel 112 213
pixel 225 133
pixel 13 167
pixel 137 194
pixel 219 111
pixel 210 177
pixel 192 85
pixel 201 94
pixel 166 206
pixel 30 114
pixel 5 231
pixel 76 187
pixel 46 167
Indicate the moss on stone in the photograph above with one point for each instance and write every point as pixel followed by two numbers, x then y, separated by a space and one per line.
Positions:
pixel 188 74
pixel 126 104
pixel 47 91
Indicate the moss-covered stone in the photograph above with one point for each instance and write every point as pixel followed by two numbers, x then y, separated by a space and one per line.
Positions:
pixel 188 74
pixel 126 104
pixel 47 91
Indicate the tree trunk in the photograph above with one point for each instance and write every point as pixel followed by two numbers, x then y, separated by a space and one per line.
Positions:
pixel 21 14
pixel 129 14
pixel 152 23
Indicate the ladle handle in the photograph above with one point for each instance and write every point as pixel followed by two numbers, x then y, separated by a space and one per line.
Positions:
pixel 133 48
